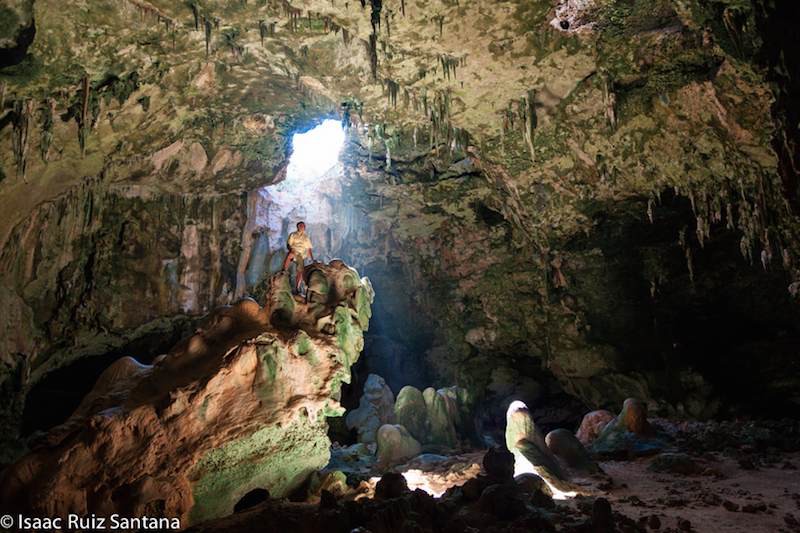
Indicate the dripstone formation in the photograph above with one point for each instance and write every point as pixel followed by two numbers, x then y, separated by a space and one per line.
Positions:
pixel 240 405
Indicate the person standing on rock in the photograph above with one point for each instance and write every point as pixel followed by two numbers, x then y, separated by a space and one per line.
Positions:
pixel 299 247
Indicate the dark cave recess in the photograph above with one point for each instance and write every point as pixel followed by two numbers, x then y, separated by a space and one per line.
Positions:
pixel 53 399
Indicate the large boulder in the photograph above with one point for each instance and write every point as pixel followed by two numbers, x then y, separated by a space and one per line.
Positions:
pixel 592 424
pixel 531 454
pixel 442 413
pixel 569 449
pixel 629 433
pixel 239 406
pixel 395 445
pixel 375 408
pixel 410 411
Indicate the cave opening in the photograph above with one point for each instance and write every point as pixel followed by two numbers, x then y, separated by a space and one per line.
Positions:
pixel 310 191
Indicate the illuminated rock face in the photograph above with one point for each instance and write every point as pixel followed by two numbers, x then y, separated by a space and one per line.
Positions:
pixel 239 405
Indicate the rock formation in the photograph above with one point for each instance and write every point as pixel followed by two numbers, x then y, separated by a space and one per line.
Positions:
pixel 570 450
pixel 531 454
pixel 629 433
pixel 238 406
pixel 375 408
pixel 592 424
pixel 410 411
pixel 395 445
pixel 595 198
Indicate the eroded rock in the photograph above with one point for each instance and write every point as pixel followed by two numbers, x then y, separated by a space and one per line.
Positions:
pixel 630 433
pixel 569 449
pixel 375 408
pixel 531 454
pixel 592 424
pixel 239 406
pixel 410 411
pixel 395 444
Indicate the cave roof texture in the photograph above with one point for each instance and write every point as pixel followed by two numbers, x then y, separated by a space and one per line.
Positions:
pixel 515 129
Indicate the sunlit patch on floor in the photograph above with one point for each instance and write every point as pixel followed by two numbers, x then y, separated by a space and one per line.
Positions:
pixel 438 475
pixel 523 466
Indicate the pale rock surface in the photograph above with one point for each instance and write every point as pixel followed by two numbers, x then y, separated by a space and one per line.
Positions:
pixel 395 445
pixel 375 408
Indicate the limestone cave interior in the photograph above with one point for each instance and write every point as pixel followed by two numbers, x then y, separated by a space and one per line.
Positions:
pixel 552 279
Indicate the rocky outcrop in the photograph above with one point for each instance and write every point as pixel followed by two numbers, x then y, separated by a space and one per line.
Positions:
pixel 375 409
pixel 411 412
pixel 531 453
pixel 102 267
pixel 239 406
pixel 570 450
pixel 629 433
pixel 629 168
pixel 395 445
pixel 592 424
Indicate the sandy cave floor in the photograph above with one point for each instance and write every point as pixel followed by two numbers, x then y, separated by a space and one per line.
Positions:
pixel 725 497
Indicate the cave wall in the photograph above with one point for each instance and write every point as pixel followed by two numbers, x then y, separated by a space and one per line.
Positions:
pixel 98 268
pixel 580 197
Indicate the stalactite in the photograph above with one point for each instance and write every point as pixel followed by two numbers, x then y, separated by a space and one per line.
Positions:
pixel 207 33
pixel 22 117
pixel 403 7
pixel 449 65
pixel 262 30
pixel 83 126
pixel 530 121
pixel 294 18
pixel 196 15
pixel 700 231
pixel 230 36
pixel 372 49
pixel 729 222
pixel 375 16
pixel 440 20
pixel 47 113
pixel 610 99
pixel 345 37
pixel 393 88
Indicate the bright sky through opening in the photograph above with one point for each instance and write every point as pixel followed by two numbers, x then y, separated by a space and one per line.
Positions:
pixel 315 152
